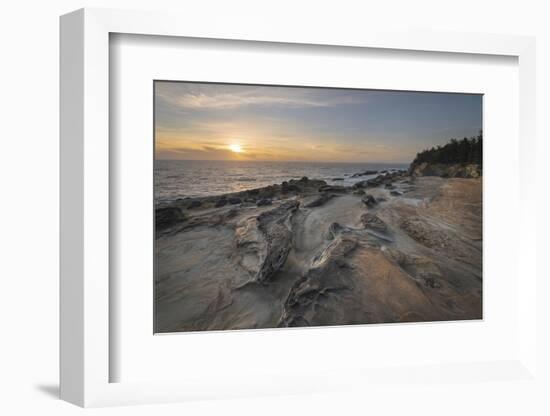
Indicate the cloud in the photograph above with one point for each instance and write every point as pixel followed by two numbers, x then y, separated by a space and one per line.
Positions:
pixel 186 96
pixel 232 101
pixel 190 153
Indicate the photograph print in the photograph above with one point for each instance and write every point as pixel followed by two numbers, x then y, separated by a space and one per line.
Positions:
pixel 279 206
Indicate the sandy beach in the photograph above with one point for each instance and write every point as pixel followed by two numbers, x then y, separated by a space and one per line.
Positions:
pixel 397 248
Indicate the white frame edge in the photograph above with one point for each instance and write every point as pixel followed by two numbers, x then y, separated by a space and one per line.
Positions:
pixel 71 346
pixel 84 170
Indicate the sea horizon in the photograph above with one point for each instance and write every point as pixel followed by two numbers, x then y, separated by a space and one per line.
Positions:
pixel 284 161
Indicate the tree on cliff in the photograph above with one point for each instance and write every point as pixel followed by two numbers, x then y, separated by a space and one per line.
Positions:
pixel 467 150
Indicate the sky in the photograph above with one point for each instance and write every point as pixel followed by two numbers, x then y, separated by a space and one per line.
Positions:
pixel 200 121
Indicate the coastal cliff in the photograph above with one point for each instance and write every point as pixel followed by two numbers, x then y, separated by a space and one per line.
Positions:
pixel 402 246
pixel 456 159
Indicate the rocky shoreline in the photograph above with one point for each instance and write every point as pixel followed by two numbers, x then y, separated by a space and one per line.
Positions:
pixel 396 248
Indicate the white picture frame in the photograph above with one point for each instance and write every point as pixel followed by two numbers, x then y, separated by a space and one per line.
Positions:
pixel 85 210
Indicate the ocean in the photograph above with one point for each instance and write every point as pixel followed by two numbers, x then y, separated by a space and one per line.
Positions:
pixel 191 178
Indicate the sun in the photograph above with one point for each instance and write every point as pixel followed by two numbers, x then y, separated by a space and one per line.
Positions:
pixel 236 148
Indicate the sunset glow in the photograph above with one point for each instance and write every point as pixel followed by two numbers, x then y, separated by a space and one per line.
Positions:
pixel 235 148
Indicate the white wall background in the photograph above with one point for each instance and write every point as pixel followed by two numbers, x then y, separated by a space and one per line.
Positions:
pixel 29 206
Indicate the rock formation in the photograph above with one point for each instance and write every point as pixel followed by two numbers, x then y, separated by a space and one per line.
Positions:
pixel 305 253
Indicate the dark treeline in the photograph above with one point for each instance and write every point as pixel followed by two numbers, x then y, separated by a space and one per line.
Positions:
pixel 467 150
